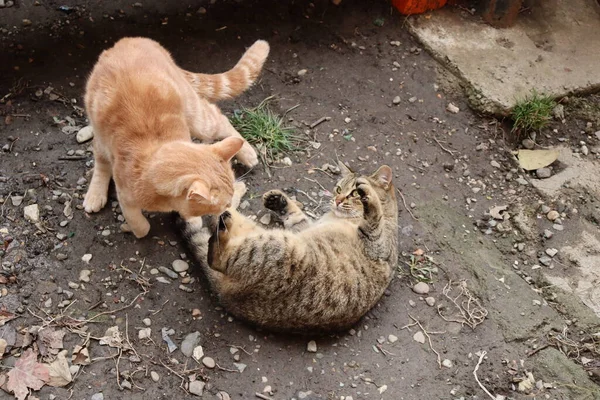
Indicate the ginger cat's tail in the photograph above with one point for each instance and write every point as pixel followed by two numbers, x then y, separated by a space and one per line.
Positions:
pixel 235 81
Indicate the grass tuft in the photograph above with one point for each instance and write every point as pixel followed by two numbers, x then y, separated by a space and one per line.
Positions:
pixel 265 129
pixel 532 113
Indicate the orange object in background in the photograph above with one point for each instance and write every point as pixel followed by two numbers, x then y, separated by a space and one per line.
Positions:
pixel 409 7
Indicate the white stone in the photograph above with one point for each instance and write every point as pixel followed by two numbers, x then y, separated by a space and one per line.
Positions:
pixel 208 362
pixel 196 388
pixel 392 338
pixel 86 258
pixel 32 213
pixel 447 363
pixel 311 347
pixel 430 301
pixel 147 321
pixel 180 266
pixel 421 288
pixel 84 275
pixel 265 219
pixel 198 353
pixel 144 333
pixel 154 376
pixel 452 108
pixel 85 134
pixel 419 337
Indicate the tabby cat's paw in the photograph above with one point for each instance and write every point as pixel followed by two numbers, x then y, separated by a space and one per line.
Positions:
pixel 224 221
pixel 275 200
pixel 94 201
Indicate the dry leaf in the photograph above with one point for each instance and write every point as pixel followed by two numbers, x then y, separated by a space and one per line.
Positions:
pixel 59 371
pixel 81 356
pixel 531 160
pixel 3 346
pixel 496 212
pixel 6 316
pixel 113 338
pixel 50 341
pixel 27 373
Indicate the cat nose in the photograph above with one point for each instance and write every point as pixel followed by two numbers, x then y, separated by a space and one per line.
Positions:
pixel 337 201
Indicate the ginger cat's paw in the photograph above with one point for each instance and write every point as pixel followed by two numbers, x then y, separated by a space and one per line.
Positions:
pixel 239 190
pixel 247 155
pixel 94 201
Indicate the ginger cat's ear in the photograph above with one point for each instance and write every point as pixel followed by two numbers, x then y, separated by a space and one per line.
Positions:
pixel 199 192
pixel 228 147
pixel 345 170
pixel 383 176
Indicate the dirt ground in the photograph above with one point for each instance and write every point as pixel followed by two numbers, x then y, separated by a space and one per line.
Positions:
pixel 451 168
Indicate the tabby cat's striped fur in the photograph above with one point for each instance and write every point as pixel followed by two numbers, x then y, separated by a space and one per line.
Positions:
pixel 311 276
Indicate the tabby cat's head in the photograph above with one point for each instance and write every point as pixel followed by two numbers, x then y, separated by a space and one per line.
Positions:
pixel 347 200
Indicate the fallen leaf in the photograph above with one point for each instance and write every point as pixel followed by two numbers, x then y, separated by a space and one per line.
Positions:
pixel 3 346
pixel 59 372
pixel 6 316
pixel 496 212
pixel 534 159
pixel 81 356
pixel 50 341
pixel 27 373
pixel 112 338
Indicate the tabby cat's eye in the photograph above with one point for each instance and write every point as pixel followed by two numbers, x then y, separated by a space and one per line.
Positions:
pixel 338 190
pixel 355 193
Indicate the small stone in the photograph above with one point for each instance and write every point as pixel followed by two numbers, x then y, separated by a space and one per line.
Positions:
pixel 558 227
pixel 196 312
pixel 311 347
pixel 447 363
pixel 286 161
pixel 543 173
pixel 421 288
pixel 419 337
pixel 126 384
pixel 27 22
pixel 522 181
pixel 147 321
pixel 196 388
pixel 32 213
pixel 189 343
pixel 553 215
pixel 98 396
pixel 452 108
pixel 154 376
pixel 73 285
pixel 265 219
pixel 412 303
pixel 198 353
pixel 302 72
pixel 537 303
pixel 180 266
pixel 430 301
pixel 144 333
pixel 545 260
pixel 162 279
pixel 495 164
pixel 171 274
pixel 392 338
pixel 584 150
pixel 84 275
pixel 86 258
pixel 396 100
pixel 85 134
pixel 154 271
pixel 16 200
pixel 548 234
pixel 208 362
pixel 551 252
pixel 528 144
pixel 241 367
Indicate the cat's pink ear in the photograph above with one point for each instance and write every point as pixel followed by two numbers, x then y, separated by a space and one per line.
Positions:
pixel 228 147
pixel 383 176
pixel 198 191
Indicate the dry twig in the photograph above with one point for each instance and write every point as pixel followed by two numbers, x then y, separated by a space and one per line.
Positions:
pixel 472 313
pixel 483 353
pixel 426 333
pixel 405 206
pixel 443 148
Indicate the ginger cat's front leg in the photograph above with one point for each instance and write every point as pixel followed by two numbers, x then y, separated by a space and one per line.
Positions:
pixel 97 194
pixel 136 222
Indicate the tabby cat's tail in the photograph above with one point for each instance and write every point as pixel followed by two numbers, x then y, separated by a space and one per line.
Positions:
pixel 235 81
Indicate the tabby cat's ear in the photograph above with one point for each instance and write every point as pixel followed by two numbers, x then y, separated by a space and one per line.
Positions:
pixel 199 191
pixel 345 170
pixel 383 176
pixel 228 147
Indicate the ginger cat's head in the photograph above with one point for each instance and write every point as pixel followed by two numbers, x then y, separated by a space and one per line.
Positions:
pixel 197 178
pixel 347 203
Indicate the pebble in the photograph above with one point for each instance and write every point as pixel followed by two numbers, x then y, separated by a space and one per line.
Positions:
pixel 16 200
pixel 126 384
pixel 287 161
pixel 198 353
pixel 302 72
pixel 548 234
pixel 546 209
pixel 208 362
pixel 32 213
pixel 392 338
pixel 447 363
pixel 98 396
pixel 543 173
pixel 154 376
pixel 73 285
pixel 553 215
pixel 196 388
pixel 84 275
pixel 85 134
pixel 86 258
pixel 241 367
pixel 189 343
pixel 558 227
pixel 551 252
pixel 147 321
pixel 180 266
pixel 545 260
pixel 419 337
pixel 168 272
pixel 421 288
pixel 144 333
pixel 311 347
pixel 265 219
pixel 452 108
pixel 495 164
pixel 396 100
pixel 528 144
pixel 430 301
pixel 162 279
pixel 584 150
pixel 522 181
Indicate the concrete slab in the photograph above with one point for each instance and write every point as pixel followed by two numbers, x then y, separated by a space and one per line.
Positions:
pixel 552 49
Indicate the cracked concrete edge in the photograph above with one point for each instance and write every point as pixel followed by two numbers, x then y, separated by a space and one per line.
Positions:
pixel 477 100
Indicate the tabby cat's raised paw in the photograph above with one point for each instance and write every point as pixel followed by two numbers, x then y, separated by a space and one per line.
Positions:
pixel 275 200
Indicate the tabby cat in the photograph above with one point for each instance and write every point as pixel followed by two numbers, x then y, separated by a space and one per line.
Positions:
pixel 144 110
pixel 311 276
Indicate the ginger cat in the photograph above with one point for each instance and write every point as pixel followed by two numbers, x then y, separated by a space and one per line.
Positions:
pixel 144 110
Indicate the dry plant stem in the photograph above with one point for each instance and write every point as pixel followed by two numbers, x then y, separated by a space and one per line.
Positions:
pixel 443 148
pixel 113 311
pixel 225 369
pixel 178 375
pixel 161 308
pixel 483 353
pixel 405 206
pixel 239 348
pixel 426 333
pixel 472 314
pixel 262 396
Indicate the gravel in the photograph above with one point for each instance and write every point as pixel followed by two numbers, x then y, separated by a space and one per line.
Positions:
pixel 421 288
